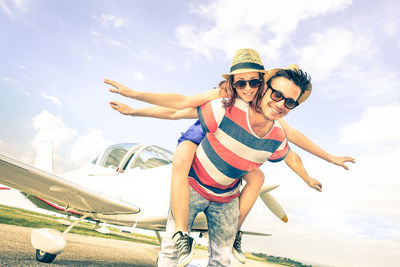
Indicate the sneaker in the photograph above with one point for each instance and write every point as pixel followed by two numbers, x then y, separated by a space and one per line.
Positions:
pixel 185 246
pixel 237 248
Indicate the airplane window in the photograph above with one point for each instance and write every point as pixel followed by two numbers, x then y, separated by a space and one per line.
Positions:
pixel 94 161
pixel 149 158
pixel 114 157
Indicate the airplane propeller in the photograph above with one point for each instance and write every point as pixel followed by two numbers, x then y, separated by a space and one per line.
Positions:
pixel 271 202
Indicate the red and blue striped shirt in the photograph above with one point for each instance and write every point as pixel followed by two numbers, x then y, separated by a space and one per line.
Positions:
pixel 231 149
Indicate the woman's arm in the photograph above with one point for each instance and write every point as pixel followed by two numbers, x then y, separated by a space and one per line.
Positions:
pixel 303 142
pixel 296 164
pixel 155 112
pixel 175 101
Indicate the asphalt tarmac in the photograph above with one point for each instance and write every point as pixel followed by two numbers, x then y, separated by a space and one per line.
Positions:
pixel 16 250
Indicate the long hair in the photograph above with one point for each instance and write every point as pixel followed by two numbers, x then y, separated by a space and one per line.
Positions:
pixel 232 93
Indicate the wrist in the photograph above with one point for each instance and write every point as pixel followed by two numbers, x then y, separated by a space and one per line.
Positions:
pixel 308 180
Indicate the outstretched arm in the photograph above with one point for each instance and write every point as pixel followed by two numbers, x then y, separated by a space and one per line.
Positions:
pixel 303 142
pixel 175 101
pixel 155 112
pixel 296 164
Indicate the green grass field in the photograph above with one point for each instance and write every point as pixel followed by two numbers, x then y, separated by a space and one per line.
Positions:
pixel 22 217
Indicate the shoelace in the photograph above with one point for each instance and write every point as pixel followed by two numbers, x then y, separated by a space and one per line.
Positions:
pixel 183 245
pixel 238 241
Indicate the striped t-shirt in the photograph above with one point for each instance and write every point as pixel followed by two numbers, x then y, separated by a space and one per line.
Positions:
pixel 231 149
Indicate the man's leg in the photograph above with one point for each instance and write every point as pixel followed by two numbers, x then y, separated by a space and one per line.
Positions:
pixel 168 255
pixel 222 226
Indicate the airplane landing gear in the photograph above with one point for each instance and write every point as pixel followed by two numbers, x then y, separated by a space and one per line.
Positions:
pixel 50 242
pixel 44 256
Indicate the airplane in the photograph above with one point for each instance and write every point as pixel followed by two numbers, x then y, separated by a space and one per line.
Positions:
pixel 127 185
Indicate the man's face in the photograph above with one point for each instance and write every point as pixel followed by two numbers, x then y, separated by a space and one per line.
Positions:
pixel 273 110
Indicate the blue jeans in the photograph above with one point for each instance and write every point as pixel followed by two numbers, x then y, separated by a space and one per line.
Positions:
pixel 222 221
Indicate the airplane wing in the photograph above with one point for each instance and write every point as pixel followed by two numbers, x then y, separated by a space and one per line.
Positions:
pixel 31 180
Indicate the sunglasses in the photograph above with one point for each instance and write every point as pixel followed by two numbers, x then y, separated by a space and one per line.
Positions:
pixel 277 96
pixel 241 84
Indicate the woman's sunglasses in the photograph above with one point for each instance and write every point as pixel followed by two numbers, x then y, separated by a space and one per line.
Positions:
pixel 277 96
pixel 241 84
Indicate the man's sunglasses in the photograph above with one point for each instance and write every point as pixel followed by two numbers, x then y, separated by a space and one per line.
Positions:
pixel 277 96
pixel 241 84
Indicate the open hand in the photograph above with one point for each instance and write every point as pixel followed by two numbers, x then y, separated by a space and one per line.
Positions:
pixel 341 160
pixel 121 107
pixel 118 88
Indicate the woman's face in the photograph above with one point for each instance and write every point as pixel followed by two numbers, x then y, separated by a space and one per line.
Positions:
pixel 247 93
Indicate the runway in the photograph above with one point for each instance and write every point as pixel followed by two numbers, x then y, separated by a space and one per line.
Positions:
pixel 16 250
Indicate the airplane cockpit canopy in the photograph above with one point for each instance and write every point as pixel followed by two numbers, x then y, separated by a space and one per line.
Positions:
pixel 132 155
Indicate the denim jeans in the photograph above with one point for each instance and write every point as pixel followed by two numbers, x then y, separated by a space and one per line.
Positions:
pixel 222 221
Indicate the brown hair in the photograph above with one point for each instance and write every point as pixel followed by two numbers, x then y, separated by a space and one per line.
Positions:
pixel 232 93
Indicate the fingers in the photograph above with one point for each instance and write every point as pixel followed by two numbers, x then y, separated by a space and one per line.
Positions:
pixel 113 90
pixel 115 105
pixel 344 166
pixel 110 82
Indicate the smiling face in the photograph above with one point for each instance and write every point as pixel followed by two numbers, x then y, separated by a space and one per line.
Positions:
pixel 246 94
pixel 273 110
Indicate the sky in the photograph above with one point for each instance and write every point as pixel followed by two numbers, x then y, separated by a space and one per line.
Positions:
pixel 55 55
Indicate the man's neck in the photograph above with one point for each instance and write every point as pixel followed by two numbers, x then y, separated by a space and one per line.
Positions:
pixel 259 123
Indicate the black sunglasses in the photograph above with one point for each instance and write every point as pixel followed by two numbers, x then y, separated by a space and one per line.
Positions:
pixel 277 96
pixel 241 84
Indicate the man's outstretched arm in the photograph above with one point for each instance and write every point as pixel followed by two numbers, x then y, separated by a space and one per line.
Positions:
pixel 296 164
pixel 302 141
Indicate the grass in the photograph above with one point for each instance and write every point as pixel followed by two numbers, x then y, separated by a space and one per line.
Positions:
pixel 26 218
pixel 21 217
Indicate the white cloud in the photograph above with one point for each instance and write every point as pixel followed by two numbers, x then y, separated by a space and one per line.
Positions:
pixel 377 127
pixel 15 6
pixel 113 42
pixel 139 76
pixel 390 27
pixel 330 50
pixel 10 80
pixel 86 147
pixel 51 127
pixel 263 25
pixel 170 67
pixel 110 20
pixel 53 99
pixel 5 8
pixel 89 57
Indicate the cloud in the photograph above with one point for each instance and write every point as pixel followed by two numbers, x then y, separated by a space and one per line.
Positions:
pixel 375 129
pixel 391 26
pixel 113 42
pixel 139 76
pixel 51 127
pixel 10 80
pixel 331 50
pixel 110 20
pixel 15 6
pixel 263 25
pixel 86 147
pixel 53 99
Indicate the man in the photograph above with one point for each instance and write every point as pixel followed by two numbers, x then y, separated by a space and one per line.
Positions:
pixel 229 145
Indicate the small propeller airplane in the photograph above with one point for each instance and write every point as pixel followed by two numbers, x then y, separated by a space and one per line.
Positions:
pixel 127 185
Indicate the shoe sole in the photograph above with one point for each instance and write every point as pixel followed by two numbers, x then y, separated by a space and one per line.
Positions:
pixel 239 257
pixel 188 258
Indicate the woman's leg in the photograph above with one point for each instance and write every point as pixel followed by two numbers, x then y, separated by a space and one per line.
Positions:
pixel 183 158
pixel 254 182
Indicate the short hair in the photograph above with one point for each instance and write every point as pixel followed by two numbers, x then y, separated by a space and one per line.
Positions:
pixel 297 76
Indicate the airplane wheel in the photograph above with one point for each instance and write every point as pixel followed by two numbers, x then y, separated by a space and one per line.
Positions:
pixel 44 256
